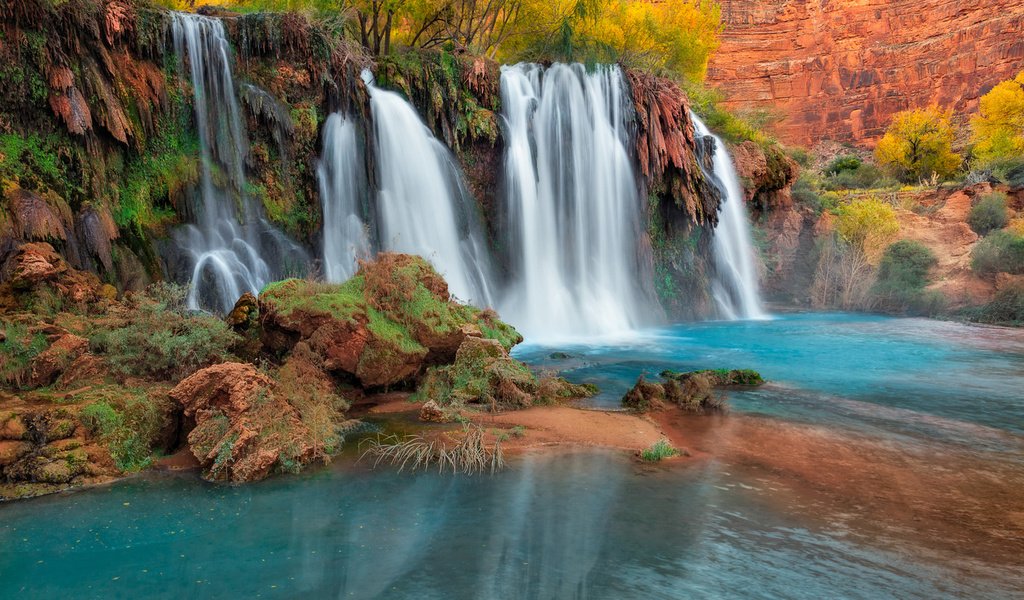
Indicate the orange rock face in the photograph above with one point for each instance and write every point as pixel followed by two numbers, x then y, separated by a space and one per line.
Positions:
pixel 840 70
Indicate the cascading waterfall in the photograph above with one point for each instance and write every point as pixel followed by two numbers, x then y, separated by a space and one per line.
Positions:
pixel 228 255
pixel 573 205
pixel 342 184
pixel 735 287
pixel 423 206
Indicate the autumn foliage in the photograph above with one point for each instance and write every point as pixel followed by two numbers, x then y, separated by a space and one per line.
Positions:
pixel 919 145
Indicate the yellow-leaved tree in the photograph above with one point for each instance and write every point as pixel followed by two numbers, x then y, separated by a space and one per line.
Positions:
pixel 864 228
pixel 998 128
pixel 919 145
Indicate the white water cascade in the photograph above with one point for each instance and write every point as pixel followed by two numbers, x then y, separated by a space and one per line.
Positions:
pixel 422 205
pixel 573 205
pixel 342 184
pixel 229 243
pixel 735 287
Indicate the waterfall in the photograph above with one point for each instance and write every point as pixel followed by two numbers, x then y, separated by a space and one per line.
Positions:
pixel 572 201
pixel 341 175
pixel 228 251
pixel 735 287
pixel 423 206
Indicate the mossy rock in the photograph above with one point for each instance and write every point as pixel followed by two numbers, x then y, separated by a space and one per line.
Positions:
pixel 484 374
pixel 384 326
pixel 720 377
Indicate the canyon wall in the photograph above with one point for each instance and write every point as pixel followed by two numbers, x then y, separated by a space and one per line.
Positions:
pixel 840 69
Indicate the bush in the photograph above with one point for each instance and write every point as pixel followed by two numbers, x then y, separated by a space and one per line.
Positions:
pixel 1006 308
pixel 868 225
pixel 843 163
pixel 999 252
pixel 1009 170
pixel 17 350
pixel 989 213
pixel 863 177
pixel 162 340
pixel 127 421
pixel 902 278
pixel 659 451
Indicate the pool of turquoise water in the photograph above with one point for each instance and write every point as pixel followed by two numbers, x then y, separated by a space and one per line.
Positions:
pixel 570 524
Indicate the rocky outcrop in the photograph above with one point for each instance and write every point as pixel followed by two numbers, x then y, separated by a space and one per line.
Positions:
pixel 383 327
pixel 692 391
pixel 36 268
pixel 44 449
pixel 840 70
pixel 668 154
pixel 244 427
pixel 484 374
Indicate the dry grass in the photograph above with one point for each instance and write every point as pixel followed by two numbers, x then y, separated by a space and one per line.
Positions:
pixel 469 457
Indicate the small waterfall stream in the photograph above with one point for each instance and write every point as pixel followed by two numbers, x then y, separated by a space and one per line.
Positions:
pixel 231 243
pixel 573 207
pixel 735 287
pixel 423 206
pixel 342 179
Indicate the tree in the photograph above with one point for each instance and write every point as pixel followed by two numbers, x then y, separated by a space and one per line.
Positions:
pixel 869 225
pixel 476 26
pixel 919 145
pixel 863 229
pixel 998 128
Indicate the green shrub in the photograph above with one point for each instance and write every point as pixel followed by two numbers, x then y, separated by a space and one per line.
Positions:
pixel 127 421
pixel 999 252
pixel 989 213
pixel 1006 308
pixel 162 340
pixel 17 350
pixel 902 278
pixel 864 177
pixel 659 451
pixel 843 163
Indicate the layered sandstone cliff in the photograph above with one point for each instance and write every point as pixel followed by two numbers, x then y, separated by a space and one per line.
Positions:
pixel 840 69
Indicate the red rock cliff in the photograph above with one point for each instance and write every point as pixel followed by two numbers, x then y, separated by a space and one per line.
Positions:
pixel 839 69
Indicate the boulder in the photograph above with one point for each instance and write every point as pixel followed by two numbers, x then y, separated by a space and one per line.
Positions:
pixel 244 427
pixel 245 313
pixel 483 373
pixel 431 412
pixel 49 364
pixel 383 327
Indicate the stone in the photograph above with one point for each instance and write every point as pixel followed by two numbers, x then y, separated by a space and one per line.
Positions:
pixel 431 412
pixel 244 427
pixel 52 362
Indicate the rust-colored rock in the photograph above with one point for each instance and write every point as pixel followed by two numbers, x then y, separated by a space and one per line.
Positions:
pixel 50 363
pixel 384 326
pixel 431 413
pixel 244 427
pixel 665 143
pixel 37 265
pixel 840 70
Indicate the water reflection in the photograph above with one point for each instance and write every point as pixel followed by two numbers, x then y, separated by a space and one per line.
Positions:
pixel 580 525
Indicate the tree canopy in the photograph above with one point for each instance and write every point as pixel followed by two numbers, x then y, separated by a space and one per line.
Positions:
pixel 998 128
pixel 919 145
pixel 671 37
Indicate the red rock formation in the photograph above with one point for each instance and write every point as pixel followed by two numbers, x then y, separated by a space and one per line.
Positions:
pixel 244 427
pixel 840 70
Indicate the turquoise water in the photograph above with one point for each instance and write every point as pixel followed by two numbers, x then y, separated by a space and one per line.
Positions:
pixel 572 524
pixel 914 376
